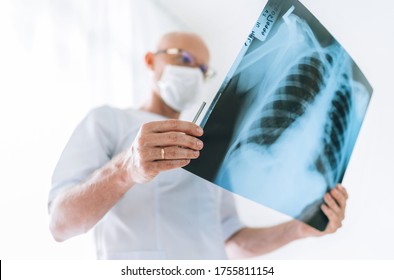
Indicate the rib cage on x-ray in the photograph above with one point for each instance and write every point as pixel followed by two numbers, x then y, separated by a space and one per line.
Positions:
pixel 329 161
pixel 290 100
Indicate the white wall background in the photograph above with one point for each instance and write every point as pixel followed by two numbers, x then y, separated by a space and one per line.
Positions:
pixel 58 59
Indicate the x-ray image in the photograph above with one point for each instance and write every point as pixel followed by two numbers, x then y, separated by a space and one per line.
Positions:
pixel 284 123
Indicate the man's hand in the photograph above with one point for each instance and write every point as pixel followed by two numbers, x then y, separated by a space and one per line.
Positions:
pixel 160 146
pixel 334 208
pixel 251 242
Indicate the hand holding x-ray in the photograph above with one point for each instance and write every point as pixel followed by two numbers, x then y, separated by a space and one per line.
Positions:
pixel 334 207
pixel 161 146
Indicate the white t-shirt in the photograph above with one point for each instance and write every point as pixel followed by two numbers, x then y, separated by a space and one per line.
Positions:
pixel 175 216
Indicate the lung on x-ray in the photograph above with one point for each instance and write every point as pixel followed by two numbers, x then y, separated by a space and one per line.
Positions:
pixel 282 127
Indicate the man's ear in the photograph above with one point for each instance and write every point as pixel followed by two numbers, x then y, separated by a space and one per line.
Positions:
pixel 150 60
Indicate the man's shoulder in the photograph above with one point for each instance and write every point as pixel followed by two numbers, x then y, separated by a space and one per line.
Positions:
pixel 109 114
pixel 105 110
pixel 113 116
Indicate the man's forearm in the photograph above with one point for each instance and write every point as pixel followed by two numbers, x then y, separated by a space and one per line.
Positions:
pixel 78 209
pixel 252 242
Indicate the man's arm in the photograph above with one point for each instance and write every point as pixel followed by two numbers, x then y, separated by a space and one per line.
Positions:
pixel 251 242
pixel 76 210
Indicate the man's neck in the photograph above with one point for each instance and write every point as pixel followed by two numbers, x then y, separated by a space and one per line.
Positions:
pixel 157 106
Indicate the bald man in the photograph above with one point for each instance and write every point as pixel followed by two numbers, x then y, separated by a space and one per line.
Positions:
pixel 120 175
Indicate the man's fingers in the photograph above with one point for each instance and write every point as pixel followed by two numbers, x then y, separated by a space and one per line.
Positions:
pixel 172 125
pixel 339 197
pixel 170 153
pixel 334 221
pixel 331 203
pixel 343 191
pixel 335 207
pixel 172 139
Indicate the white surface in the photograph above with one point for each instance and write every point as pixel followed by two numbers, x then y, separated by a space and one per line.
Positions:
pixel 60 58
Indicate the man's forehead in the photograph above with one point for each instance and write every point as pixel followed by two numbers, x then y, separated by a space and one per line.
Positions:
pixel 185 41
pixel 179 40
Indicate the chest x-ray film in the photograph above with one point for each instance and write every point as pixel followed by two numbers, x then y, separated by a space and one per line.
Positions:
pixel 283 125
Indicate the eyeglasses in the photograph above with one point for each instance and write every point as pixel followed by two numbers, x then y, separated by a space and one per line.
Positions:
pixel 185 58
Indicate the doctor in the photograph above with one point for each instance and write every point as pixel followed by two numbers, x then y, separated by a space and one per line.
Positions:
pixel 120 175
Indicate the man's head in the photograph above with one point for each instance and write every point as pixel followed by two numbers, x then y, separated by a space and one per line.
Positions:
pixel 179 66
pixel 178 48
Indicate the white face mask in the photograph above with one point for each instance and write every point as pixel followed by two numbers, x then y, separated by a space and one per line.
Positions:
pixel 180 86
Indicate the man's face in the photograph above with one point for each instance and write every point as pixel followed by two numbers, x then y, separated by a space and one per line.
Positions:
pixel 182 50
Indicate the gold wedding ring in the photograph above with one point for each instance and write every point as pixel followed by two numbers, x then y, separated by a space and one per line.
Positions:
pixel 162 153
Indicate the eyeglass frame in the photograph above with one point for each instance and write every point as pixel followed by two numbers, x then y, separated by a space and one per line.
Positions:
pixel 207 71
